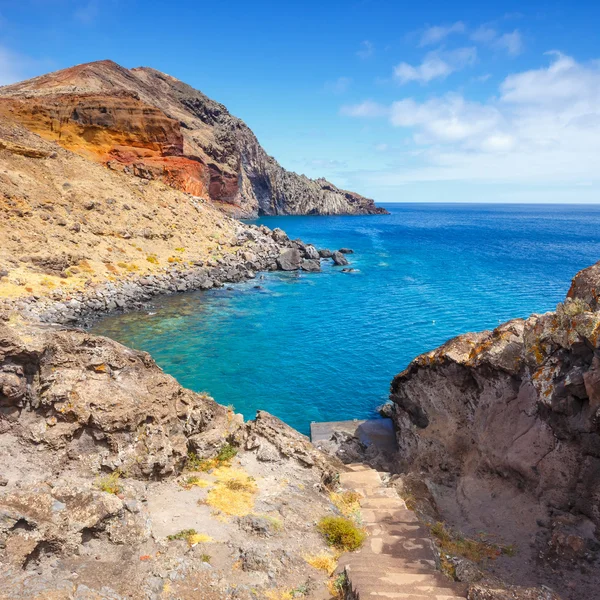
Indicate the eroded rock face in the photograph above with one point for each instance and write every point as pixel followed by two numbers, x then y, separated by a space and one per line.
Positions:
pixel 513 416
pixel 155 127
pixel 85 398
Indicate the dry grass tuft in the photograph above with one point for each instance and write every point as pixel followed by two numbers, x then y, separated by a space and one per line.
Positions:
pixel 477 551
pixel 348 503
pixel 191 536
pixel 324 561
pixel 194 481
pixel 110 483
pixel 234 492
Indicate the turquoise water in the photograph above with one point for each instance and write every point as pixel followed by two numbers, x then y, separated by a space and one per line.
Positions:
pixel 325 346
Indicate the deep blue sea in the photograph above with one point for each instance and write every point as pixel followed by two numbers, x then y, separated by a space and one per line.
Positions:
pixel 325 346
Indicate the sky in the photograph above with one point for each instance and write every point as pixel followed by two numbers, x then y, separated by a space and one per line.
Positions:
pixel 400 101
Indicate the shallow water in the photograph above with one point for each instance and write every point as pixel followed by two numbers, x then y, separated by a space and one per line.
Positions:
pixel 325 346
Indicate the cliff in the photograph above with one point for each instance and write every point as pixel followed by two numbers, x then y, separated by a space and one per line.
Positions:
pixel 154 126
pixel 504 427
pixel 115 482
pixel 78 238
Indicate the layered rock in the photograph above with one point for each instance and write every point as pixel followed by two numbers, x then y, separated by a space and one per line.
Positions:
pixel 508 422
pixel 157 127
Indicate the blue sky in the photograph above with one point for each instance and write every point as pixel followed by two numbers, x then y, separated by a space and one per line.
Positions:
pixel 401 101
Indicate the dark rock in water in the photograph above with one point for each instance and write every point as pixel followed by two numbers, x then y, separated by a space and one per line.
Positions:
pixel 386 410
pixel 311 253
pixel 258 287
pixel 310 265
pixel 350 270
pixel 289 260
pixel 325 253
pixel 339 259
pixel 346 251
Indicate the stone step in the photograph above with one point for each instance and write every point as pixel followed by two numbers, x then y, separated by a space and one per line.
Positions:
pixel 360 479
pixel 397 529
pixel 362 583
pixel 378 492
pixel 388 516
pixel 383 502
pixel 358 467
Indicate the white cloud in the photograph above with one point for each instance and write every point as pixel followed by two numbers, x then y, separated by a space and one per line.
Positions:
pixel 368 109
pixel 511 43
pixel 339 85
pixel 436 65
pixel 367 49
pixel 543 128
pixel 437 33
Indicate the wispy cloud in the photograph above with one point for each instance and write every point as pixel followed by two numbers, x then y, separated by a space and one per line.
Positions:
pixel 366 50
pixel 368 108
pixel 511 42
pixel 339 85
pixel 436 65
pixel 543 127
pixel 438 33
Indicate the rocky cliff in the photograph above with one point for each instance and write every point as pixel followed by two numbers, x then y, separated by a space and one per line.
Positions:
pixel 504 425
pixel 117 483
pixel 154 126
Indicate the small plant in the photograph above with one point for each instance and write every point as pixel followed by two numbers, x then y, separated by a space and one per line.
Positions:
pixel 336 585
pixel 347 502
pixel 223 458
pixel 191 536
pixel 341 533
pixel 205 558
pixel 475 550
pixel 324 561
pixel 184 534
pixel 226 453
pixel 151 258
pixel 110 483
pixel 193 481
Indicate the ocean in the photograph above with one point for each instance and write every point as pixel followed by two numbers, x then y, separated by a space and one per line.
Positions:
pixel 325 346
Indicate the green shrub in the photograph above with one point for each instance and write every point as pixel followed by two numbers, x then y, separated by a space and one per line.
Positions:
pixel 341 533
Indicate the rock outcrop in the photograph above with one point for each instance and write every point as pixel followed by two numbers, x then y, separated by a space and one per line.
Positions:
pixel 93 502
pixel 507 424
pixel 154 126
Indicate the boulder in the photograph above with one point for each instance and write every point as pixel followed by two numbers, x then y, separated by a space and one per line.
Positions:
pixel 310 265
pixel 339 259
pixel 346 251
pixel 325 253
pixel 311 252
pixel 289 260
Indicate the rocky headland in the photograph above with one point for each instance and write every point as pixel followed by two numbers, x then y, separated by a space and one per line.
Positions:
pixel 152 126
pixel 503 428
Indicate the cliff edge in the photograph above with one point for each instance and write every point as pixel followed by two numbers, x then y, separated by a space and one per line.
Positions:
pixel 504 427
pixel 154 126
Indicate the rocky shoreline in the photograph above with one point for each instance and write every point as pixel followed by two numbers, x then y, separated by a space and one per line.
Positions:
pixel 258 249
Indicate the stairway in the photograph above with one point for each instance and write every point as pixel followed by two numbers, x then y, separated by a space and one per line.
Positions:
pixel 398 558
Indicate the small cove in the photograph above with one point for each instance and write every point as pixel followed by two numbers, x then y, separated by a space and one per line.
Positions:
pixel 325 346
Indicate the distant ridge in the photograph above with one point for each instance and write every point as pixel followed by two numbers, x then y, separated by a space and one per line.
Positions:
pixel 152 125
